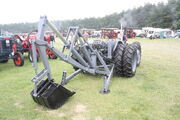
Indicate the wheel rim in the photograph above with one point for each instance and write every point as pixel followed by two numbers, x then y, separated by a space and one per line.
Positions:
pixel 18 60
pixel 138 56
pixel 52 56
pixel 134 62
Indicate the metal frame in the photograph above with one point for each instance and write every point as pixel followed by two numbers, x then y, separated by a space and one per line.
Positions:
pixel 87 64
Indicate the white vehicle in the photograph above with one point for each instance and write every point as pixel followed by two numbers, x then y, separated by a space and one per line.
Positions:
pixel 138 32
pixel 157 32
pixel 167 33
pixel 151 31
pixel 145 30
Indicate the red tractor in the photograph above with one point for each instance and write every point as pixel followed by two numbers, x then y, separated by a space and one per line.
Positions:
pixel 50 39
pixel 27 46
pixel 109 33
pixel 129 32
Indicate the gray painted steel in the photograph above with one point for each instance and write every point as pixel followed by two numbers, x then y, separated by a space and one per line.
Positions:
pixel 85 61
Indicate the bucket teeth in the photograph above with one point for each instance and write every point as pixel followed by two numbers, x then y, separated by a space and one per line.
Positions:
pixel 51 95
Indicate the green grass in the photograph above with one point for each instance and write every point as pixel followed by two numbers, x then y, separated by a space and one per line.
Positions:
pixel 153 94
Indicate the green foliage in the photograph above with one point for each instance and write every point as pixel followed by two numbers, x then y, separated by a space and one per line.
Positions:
pixel 19 27
pixel 163 15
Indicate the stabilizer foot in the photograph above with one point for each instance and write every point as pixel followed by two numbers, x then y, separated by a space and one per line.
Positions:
pixel 105 91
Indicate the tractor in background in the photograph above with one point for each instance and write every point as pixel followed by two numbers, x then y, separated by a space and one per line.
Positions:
pixel 27 46
pixel 109 33
pixel 10 48
pixel 129 32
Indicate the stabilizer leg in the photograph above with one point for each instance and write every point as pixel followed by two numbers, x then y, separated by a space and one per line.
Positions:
pixel 106 82
pixel 66 79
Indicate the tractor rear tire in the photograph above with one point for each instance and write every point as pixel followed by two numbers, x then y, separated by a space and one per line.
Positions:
pixel 4 61
pixel 129 61
pixel 74 57
pixel 30 56
pixel 19 59
pixel 118 60
pixel 137 45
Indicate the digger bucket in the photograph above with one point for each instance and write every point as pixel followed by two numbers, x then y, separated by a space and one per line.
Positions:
pixel 51 95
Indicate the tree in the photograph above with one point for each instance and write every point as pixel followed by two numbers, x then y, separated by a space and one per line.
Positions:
pixel 150 15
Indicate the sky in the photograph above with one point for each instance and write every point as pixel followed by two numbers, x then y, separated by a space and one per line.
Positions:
pixel 17 11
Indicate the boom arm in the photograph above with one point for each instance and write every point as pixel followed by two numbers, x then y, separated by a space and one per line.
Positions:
pixel 86 63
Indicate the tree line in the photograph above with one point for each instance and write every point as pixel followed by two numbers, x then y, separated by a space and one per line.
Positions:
pixel 161 15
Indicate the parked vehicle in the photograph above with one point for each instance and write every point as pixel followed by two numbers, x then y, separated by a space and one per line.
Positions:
pixel 129 32
pixel 109 33
pixel 27 46
pixel 154 33
pixel 177 35
pixel 10 49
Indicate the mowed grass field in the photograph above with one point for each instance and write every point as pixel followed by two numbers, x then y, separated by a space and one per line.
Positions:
pixel 153 94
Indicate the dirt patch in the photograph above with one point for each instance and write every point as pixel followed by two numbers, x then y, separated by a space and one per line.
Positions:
pixel 78 117
pixel 80 108
pixel 39 110
pixel 98 118
pixel 55 113
pixel 18 104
